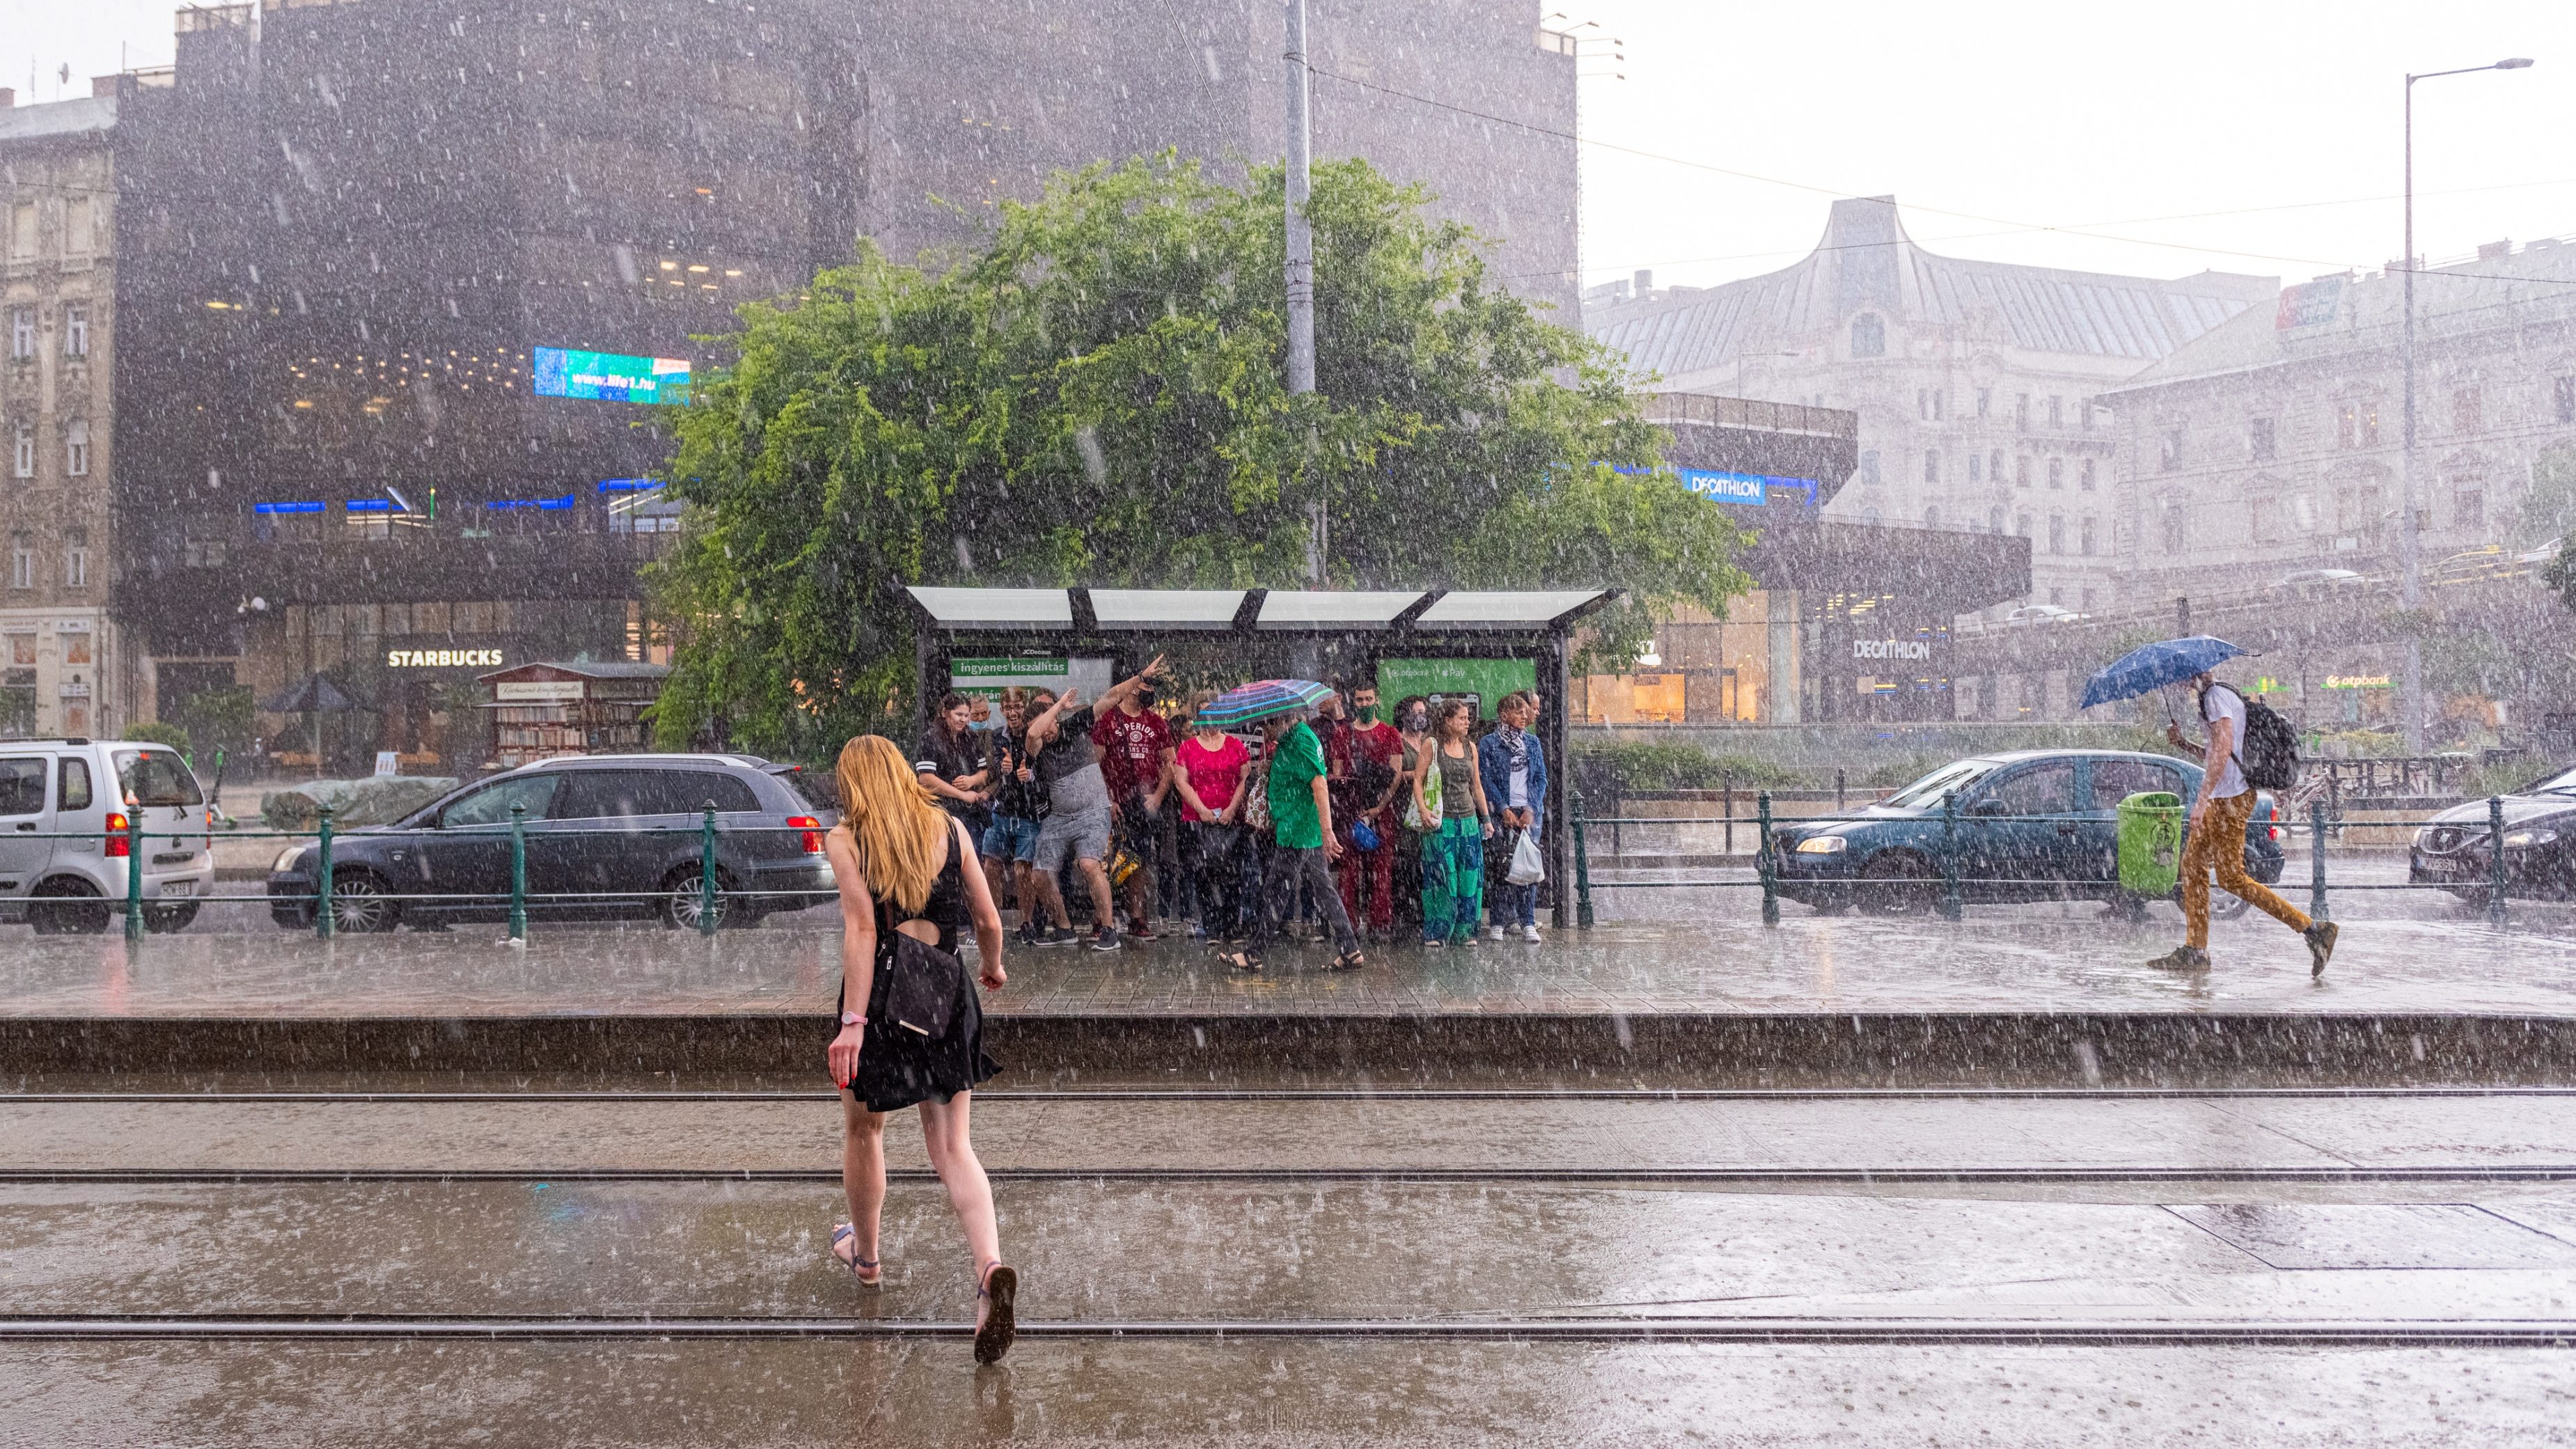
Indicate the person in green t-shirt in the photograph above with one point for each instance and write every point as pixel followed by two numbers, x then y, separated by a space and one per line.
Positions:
pixel 1301 824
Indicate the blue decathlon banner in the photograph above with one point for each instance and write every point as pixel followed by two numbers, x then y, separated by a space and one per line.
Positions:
pixel 1721 487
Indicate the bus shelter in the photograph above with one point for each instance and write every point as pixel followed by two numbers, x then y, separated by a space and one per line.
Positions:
pixel 1440 642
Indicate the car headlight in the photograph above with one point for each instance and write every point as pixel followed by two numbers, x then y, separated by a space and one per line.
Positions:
pixel 285 859
pixel 1821 845
pixel 2515 840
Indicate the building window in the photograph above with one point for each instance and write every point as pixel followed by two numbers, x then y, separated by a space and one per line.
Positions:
pixel 1923 404
pixel 2021 411
pixel 22 231
pixel 2084 541
pixel 1985 401
pixel 1995 467
pixel 75 332
pixel 1931 467
pixel 2056 597
pixel 2056 411
pixel 2085 479
pixel 2566 399
pixel 1868 336
pixel 2175 530
pixel 22 335
pixel 1995 519
pixel 76 559
pixel 1932 516
pixel 2085 410
pixel 2469 504
pixel 1869 467
pixel 22 453
pixel 2468 410
pixel 2169 452
pixel 1869 516
pixel 2356 425
pixel 2261 440
pixel 2021 471
pixel 2057 533
pixel 2056 473
pixel 1976 467
pixel 198 552
pixel 76 448
pixel 22 560
pixel 2022 526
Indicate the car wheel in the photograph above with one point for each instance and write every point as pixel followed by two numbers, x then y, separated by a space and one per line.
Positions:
pixel 67 908
pixel 1903 884
pixel 2225 907
pixel 169 918
pixel 360 904
pixel 683 901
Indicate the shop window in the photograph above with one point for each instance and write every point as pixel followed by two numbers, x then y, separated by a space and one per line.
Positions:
pixel 76 448
pixel 22 334
pixel 76 649
pixel 1868 335
pixel 75 332
pixel 22 651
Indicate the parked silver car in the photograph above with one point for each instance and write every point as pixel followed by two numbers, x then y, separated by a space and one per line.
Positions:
pixel 63 849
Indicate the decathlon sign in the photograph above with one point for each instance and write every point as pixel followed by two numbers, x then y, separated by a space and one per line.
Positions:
pixel 1918 650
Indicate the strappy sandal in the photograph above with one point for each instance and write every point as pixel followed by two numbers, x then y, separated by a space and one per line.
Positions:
pixel 1243 961
pixel 999 1291
pixel 860 1268
pixel 1349 961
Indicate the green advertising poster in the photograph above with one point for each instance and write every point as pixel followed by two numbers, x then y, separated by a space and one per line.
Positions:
pixel 1484 680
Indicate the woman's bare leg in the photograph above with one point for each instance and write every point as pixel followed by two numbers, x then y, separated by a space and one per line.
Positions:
pixel 863 1179
pixel 952 1156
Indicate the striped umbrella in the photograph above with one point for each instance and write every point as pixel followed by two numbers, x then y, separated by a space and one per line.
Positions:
pixel 1261 699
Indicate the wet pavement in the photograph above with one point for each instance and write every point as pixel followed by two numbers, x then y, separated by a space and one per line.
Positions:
pixel 2034 958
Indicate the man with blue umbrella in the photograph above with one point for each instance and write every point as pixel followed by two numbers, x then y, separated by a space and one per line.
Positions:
pixel 2224 804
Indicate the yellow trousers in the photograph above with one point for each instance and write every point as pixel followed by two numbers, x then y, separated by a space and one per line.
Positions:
pixel 2218 843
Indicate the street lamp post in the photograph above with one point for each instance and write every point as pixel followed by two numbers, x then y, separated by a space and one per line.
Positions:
pixel 2410 549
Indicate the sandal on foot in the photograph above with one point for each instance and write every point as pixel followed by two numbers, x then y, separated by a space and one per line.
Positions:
pixel 1349 961
pixel 1243 961
pixel 863 1269
pixel 998 1327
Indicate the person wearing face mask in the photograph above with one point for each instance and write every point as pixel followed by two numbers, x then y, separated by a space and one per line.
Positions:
pixel 1370 753
pixel 1514 769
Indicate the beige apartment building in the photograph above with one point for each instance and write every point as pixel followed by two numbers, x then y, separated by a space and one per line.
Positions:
pixel 1979 385
pixel 61 670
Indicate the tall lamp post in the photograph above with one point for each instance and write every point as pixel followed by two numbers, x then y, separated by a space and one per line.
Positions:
pixel 2410 548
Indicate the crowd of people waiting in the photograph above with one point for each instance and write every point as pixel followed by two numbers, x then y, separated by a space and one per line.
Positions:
pixel 1342 823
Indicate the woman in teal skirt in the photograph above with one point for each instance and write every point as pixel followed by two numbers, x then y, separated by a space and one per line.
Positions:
pixel 1453 856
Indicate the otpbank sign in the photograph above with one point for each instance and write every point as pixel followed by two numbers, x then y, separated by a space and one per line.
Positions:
pixel 609 376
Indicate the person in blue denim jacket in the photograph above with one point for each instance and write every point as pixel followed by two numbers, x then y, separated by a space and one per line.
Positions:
pixel 1514 770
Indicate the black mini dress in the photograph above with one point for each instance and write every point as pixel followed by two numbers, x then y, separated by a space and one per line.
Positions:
pixel 899 1068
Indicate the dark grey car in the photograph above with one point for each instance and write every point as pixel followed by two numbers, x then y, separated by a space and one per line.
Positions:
pixel 608 837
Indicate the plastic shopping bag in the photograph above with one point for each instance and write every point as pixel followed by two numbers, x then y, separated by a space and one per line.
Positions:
pixel 1527 867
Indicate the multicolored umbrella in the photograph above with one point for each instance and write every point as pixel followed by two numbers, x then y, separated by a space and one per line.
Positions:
pixel 1261 699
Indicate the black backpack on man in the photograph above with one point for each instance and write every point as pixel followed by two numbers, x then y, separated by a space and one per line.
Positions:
pixel 2269 753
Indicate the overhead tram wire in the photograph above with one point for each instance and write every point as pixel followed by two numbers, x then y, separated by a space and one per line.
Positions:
pixel 2017 227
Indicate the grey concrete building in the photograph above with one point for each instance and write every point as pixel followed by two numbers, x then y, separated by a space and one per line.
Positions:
pixel 1979 385
pixel 62 670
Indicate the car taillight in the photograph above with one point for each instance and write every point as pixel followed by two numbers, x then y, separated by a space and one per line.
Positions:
pixel 812 832
pixel 2279 834
pixel 117 824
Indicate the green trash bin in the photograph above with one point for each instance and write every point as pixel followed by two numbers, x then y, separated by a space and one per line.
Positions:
pixel 2151 826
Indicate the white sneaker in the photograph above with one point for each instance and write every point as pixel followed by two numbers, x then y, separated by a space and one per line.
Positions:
pixel 1530 934
pixel 1493 933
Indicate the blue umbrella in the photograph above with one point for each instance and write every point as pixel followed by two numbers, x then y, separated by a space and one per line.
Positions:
pixel 1261 699
pixel 2154 666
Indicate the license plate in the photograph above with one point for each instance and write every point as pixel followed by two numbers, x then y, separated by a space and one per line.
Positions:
pixel 171 888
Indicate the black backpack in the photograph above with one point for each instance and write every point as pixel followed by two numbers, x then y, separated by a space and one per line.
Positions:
pixel 2270 750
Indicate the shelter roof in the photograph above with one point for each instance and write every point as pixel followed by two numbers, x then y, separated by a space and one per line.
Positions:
pixel 1327 611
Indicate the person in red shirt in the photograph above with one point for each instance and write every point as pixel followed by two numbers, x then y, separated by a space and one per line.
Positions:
pixel 1135 747
pixel 1213 776
pixel 1365 754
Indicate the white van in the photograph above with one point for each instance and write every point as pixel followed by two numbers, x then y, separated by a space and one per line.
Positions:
pixel 63 851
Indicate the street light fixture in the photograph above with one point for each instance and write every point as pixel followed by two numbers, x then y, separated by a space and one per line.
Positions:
pixel 2410 550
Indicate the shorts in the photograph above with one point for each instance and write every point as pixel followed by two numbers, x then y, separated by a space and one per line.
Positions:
pixel 1062 839
pixel 1011 837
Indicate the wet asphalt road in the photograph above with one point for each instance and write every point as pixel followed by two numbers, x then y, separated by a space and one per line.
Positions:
pixel 2236 1230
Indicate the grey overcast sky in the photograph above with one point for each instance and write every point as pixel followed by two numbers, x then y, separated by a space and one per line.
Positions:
pixel 2253 136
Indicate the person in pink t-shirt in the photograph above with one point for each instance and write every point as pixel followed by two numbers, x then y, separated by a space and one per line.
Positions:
pixel 1213 769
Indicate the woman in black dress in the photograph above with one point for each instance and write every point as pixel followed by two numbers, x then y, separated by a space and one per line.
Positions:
pixel 903 864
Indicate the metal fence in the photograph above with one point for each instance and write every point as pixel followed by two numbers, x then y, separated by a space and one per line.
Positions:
pixel 1950 901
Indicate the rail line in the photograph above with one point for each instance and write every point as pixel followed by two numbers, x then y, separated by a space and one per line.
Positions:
pixel 2367 1333
pixel 1782 1176
pixel 1323 1094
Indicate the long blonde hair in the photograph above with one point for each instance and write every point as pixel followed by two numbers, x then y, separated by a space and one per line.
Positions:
pixel 897 827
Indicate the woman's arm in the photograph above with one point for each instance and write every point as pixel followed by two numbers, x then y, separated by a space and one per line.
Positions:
pixel 1233 811
pixel 1476 787
pixel 980 910
pixel 858 952
pixel 931 782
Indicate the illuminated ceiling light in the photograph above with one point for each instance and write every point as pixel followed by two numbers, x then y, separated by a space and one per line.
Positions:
pixel 670 266
pixel 733 271
pixel 702 191
pixel 697 266
pixel 304 402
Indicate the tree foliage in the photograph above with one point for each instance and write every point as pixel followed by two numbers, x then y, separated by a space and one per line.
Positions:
pixel 1096 396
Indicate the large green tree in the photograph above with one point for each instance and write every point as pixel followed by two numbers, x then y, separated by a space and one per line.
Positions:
pixel 1095 395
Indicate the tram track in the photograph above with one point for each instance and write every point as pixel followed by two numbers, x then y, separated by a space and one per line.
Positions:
pixel 1321 1094
pixel 2358 1333
pixel 1571 1176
